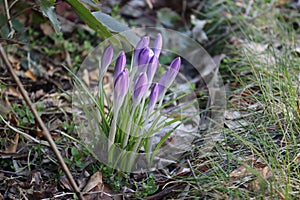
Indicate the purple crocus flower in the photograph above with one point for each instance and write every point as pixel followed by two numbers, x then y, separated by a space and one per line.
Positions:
pixel 120 64
pixel 143 43
pixel 140 88
pixel 106 60
pixel 170 75
pixel 151 69
pixel 144 57
pixel 153 97
pixel 121 87
pixel 157 45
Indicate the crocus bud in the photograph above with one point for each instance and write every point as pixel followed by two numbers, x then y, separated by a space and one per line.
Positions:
pixel 121 87
pixel 143 43
pixel 157 45
pixel 120 64
pixel 153 97
pixel 106 60
pixel 144 56
pixel 151 69
pixel 170 75
pixel 140 88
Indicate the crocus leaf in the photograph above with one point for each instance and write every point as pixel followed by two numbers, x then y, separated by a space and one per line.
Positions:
pixel 48 10
pixel 111 23
pixel 89 18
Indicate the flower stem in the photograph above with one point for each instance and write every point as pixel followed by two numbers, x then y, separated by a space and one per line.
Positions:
pixel 127 132
pixel 112 131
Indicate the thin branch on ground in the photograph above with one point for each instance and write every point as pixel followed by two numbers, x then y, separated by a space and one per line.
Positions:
pixel 46 132
pixel 10 25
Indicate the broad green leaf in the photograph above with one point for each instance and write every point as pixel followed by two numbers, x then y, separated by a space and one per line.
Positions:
pixel 48 10
pixel 111 23
pixel 88 18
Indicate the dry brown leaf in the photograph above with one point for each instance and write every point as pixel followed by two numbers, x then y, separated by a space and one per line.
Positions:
pixel 46 28
pixel 86 78
pixel 239 172
pixel 95 180
pixel 68 58
pixel 297 158
pixel 95 184
pixel 39 133
pixel 16 63
pixel 30 74
pixel 13 147
pixel 94 75
pixel 265 173
pixel 14 92
pixel 282 2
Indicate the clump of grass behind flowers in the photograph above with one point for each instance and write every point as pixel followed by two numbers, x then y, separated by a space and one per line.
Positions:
pixel 130 120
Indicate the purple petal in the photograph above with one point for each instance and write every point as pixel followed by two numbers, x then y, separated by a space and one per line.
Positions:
pixel 175 64
pixel 106 59
pixel 143 43
pixel 144 57
pixel 120 64
pixel 121 84
pixel 153 97
pixel 170 75
pixel 157 45
pixel 151 69
pixel 140 87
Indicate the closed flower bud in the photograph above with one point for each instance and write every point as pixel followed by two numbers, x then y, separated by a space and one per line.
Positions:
pixel 143 43
pixel 106 60
pixel 120 64
pixel 157 45
pixel 140 88
pixel 170 75
pixel 153 97
pixel 151 69
pixel 144 57
pixel 121 87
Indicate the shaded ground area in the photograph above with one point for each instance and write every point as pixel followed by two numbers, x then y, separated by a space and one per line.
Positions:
pixel 257 47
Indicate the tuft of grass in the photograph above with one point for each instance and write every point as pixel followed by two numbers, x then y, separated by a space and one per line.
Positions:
pixel 259 157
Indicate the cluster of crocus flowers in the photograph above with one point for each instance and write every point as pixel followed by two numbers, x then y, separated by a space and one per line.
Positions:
pixel 131 84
